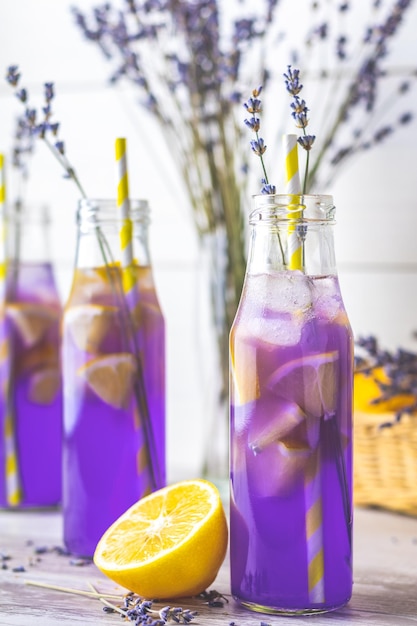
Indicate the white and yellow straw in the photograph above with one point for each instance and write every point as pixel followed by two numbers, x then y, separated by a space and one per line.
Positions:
pixel 129 283
pixel 312 481
pixel 126 230
pixel 13 487
pixel 293 188
pixel 314 529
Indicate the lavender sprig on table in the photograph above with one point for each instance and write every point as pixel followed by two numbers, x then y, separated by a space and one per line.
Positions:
pixel 400 368
pixel 139 611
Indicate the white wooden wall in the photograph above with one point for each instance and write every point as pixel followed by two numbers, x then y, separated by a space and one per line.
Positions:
pixel 376 200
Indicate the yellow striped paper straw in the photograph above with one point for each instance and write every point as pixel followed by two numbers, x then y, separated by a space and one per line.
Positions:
pixel 293 188
pixel 13 488
pixel 123 206
pixel 129 288
pixel 312 481
pixel 314 530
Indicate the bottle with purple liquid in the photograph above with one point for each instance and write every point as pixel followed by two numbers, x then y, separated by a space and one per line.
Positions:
pixel 31 390
pixel 114 378
pixel 291 362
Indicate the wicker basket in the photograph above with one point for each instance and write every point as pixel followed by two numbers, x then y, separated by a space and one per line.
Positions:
pixel 385 462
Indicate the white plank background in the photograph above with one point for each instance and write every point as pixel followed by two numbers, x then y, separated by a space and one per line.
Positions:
pixel 376 200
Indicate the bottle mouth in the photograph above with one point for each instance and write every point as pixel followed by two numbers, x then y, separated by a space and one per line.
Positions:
pixel 19 212
pixel 287 207
pixel 106 210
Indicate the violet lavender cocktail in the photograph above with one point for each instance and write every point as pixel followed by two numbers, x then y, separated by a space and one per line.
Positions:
pixel 291 444
pixel 106 455
pixel 32 343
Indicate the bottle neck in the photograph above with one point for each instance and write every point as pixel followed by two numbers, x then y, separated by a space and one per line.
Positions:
pixel 99 233
pixel 292 233
pixel 28 234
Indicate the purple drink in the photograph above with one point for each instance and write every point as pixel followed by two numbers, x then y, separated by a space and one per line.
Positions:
pixel 109 462
pixel 291 354
pixel 31 374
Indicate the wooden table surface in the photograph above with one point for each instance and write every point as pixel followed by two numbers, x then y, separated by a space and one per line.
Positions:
pixel 385 575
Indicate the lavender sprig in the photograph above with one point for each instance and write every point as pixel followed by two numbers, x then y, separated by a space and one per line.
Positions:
pixel 186 61
pixel 35 123
pixel 362 92
pixel 300 115
pixel 23 147
pixel 254 106
pixel 47 130
pixel 139 611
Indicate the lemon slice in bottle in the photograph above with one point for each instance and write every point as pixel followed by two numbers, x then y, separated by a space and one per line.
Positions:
pixel 309 381
pixel 89 324
pixel 244 373
pixel 31 320
pixel 44 385
pixel 111 377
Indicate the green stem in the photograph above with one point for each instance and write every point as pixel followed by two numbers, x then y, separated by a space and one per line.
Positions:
pixel 306 173
pixel 62 160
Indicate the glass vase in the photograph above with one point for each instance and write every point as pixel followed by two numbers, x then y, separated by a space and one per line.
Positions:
pixel 31 390
pixel 114 377
pixel 291 364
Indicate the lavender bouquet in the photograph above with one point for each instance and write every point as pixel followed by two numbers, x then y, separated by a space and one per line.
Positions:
pixel 190 61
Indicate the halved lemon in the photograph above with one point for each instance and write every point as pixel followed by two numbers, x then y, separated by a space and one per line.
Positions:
pixel 111 377
pixel 366 389
pixel 170 544
pixel 31 320
pixel 89 324
pixel 309 381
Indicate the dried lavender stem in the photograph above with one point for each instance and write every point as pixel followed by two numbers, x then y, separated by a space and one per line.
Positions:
pixel 79 592
pixel 106 602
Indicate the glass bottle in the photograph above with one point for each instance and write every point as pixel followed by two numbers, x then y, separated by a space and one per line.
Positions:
pixel 31 401
pixel 291 364
pixel 114 378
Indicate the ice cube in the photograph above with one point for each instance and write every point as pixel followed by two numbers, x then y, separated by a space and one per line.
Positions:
pixel 280 292
pixel 277 470
pixel 273 418
pixel 280 330
pixel 327 301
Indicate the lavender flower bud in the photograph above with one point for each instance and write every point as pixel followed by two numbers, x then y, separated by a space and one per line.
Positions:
pixel 12 75
pixel 292 81
pixel 406 118
pixel 267 188
pixel 254 124
pixel 49 91
pixel 30 115
pixel 253 105
pixel 299 111
pixel 22 95
pixel 306 141
pixel 59 145
pixel 258 146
